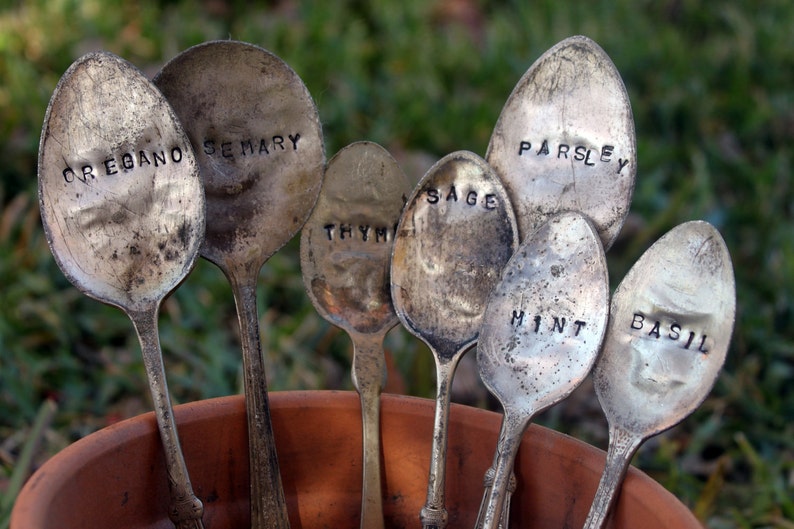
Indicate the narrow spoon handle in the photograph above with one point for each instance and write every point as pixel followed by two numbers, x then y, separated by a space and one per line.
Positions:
pixel 186 509
pixel 622 446
pixel 504 519
pixel 268 504
pixel 369 372
pixel 434 513
pixel 498 497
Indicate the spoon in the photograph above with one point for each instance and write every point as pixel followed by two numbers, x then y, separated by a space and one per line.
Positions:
pixel 670 325
pixel 259 144
pixel 123 212
pixel 565 141
pixel 453 239
pixel 345 256
pixel 541 333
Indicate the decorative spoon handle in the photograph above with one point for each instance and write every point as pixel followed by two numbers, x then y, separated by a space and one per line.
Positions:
pixel 186 509
pixel 622 446
pixel 369 372
pixel 268 505
pixel 495 506
pixel 504 519
pixel 434 514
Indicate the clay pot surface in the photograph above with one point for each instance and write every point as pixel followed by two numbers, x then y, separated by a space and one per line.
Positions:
pixel 116 477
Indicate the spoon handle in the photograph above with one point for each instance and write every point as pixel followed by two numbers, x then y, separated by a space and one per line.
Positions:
pixel 504 519
pixel 369 373
pixel 434 514
pixel 497 498
pixel 622 446
pixel 268 504
pixel 186 509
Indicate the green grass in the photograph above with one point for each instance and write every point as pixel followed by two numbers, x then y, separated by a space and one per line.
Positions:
pixel 712 91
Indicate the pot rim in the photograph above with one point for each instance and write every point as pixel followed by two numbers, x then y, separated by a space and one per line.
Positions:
pixel 43 486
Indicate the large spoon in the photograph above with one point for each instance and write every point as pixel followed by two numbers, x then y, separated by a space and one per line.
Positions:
pixel 670 326
pixel 541 333
pixel 565 141
pixel 123 211
pixel 345 256
pixel 456 234
pixel 259 144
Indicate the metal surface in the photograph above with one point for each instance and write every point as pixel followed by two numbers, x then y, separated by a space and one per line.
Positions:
pixel 345 256
pixel 456 234
pixel 565 140
pixel 259 144
pixel 504 517
pixel 123 211
pixel 541 332
pixel 670 326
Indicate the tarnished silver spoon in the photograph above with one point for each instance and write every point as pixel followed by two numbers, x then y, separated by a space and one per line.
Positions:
pixel 454 237
pixel 345 257
pixel 565 141
pixel 670 326
pixel 541 333
pixel 123 210
pixel 259 144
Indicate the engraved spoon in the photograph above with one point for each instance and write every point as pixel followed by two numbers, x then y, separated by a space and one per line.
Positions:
pixel 541 333
pixel 259 144
pixel 565 141
pixel 454 237
pixel 123 212
pixel 345 256
pixel 670 326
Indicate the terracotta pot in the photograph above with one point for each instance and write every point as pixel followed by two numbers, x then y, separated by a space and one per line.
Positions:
pixel 116 477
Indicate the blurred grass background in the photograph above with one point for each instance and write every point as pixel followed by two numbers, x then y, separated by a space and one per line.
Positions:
pixel 712 91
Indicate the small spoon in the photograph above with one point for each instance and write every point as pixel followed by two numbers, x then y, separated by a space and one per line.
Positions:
pixel 454 237
pixel 345 256
pixel 259 144
pixel 670 325
pixel 541 333
pixel 565 141
pixel 123 212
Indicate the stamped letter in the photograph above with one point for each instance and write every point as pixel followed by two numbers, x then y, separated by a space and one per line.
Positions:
pixel 110 167
pixel 517 319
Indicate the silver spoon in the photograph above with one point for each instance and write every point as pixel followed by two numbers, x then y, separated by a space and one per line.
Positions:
pixel 123 211
pixel 565 141
pixel 345 256
pixel 541 332
pixel 670 325
pixel 259 144
pixel 456 233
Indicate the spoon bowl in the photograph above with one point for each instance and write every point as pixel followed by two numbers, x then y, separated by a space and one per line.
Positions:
pixel 565 140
